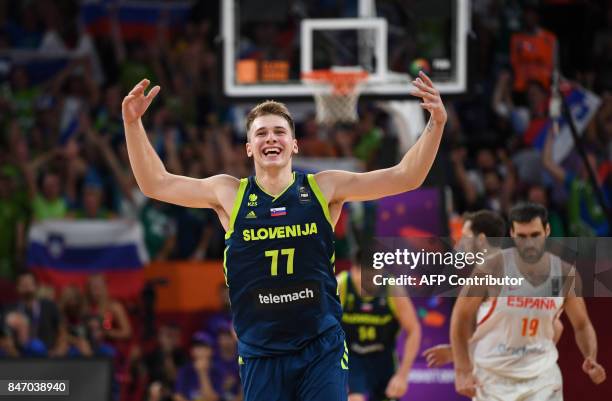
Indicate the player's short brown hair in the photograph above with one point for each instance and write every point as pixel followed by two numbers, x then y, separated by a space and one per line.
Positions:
pixel 489 223
pixel 269 107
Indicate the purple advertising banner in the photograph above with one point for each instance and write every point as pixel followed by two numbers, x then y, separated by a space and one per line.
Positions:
pixel 431 383
pixel 419 214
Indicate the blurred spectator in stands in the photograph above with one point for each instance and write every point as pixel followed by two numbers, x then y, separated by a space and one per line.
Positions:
pixel 586 216
pixel 483 186
pixel 159 229
pixel 164 361
pixel 369 137
pixel 72 306
pixel 602 54
pixel 156 392
pixel 131 200
pixel 107 120
pixel 311 142
pixel 522 120
pixel 97 335
pixel 223 317
pixel 195 228
pixel 25 343
pixel 65 37
pixel 13 217
pixel 43 317
pixel 115 322
pixel 136 59
pixel 21 97
pixel 25 33
pixel 194 381
pixel 540 195
pixel 49 201
pixel 532 52
pixel 71 339
pixel 92 203
pixel 225 373
pixel 343 138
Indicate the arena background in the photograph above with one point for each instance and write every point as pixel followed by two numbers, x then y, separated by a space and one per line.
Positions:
pixel 70 208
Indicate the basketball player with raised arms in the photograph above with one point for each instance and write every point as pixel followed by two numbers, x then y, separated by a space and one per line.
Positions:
pixel 279 255
pixel 503 338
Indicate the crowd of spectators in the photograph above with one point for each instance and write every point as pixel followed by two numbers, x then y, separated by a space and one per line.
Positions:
pixel 63 155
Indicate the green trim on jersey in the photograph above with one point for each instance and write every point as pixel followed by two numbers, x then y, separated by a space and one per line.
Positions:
pixel 342 283
pixel 274 198
pixel 225 265
pixel 236 207
pixel 320 197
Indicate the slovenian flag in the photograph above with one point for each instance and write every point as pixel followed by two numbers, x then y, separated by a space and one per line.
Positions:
pixel 137 19
pixel 278 211
pixel 583 105
pixel 65 252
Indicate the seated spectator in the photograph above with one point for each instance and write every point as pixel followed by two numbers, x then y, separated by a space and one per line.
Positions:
pixel 94 330
pixel 42 314
pixel 72 306
pixel 164 362
pixel 19 327
pixel 226 377
pixel 194 380
pixel 115 322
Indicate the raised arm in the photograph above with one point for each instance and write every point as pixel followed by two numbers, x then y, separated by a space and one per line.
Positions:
pixel 217 192
pixel 408 174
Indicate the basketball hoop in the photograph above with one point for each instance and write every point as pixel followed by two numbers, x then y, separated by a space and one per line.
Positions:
pixel 336 94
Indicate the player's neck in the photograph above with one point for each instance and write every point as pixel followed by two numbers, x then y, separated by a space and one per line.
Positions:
pixel 274 182
pixel 541 267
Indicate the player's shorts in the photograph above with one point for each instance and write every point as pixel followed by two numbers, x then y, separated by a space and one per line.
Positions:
pixel 318 372
pixel 493 387
pixel 370 374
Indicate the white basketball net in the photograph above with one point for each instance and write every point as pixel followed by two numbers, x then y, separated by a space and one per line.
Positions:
pixel 336 96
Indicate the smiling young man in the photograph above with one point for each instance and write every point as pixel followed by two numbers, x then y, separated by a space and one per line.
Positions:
pixel 279 255
pixel 503 339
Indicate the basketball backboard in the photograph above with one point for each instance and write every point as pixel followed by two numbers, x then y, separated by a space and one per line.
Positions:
pixel 268 45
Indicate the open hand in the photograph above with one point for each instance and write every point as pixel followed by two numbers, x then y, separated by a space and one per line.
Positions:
pixel 438 355
pixel 432 102
pixel 136 103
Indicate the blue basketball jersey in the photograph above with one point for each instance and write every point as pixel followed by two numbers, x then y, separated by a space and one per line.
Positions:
pixel 279 266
